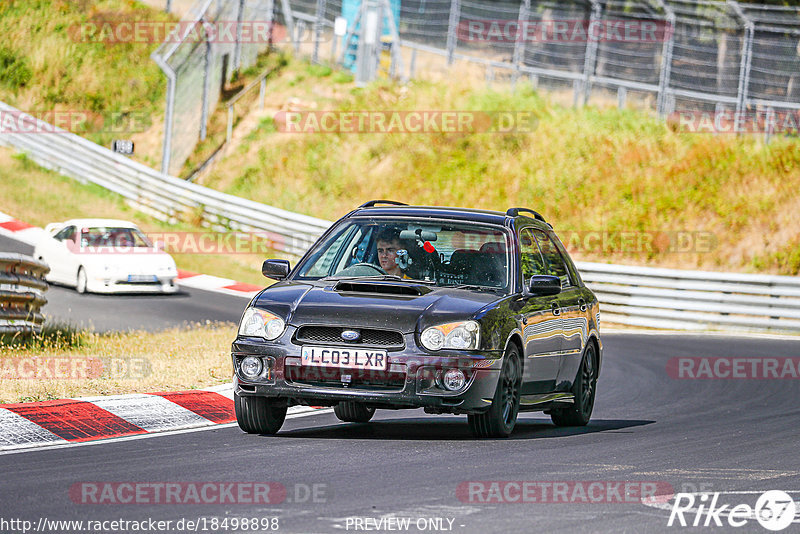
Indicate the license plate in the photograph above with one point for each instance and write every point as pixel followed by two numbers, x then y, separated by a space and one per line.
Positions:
pixel 142 278
pixel 344 358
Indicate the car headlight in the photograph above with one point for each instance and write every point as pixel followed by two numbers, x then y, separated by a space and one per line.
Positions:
pixel 261 323
pixel 464 335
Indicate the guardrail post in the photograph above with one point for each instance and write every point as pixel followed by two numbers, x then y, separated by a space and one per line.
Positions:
pixel 319 18
pixel 519 42
pixel 262 93
pixel 590 58
pixel 769 122
pixel 666 62
pixel 452 29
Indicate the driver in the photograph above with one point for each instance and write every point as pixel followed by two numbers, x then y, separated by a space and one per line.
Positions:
pixel 388 245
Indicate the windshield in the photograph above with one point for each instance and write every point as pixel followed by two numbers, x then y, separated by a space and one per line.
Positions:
pixel 101 236
pixel 441 253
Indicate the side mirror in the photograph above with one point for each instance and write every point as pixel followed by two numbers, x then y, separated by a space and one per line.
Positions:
pixel 542 285
pixel 275 269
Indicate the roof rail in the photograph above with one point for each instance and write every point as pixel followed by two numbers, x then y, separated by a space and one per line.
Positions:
pixel 372 203
pixel 513 212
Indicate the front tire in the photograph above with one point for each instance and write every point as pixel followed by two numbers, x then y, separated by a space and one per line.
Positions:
pixel 259 415
pixel 499 420
pixel 81 282
pixel 584 390
pixel 353 412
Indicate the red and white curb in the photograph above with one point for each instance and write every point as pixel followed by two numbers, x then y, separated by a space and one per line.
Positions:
pixel 27 233
pixel 59 422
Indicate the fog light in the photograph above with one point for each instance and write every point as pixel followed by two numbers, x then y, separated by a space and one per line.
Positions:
pixel 454 379
pixel 251 367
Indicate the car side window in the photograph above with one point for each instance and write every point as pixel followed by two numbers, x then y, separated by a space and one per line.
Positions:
pixel 66 233
pixel 554 263
pixel 530 257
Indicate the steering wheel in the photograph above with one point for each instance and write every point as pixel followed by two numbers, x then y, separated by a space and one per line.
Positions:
pixel 365 264
pixel 357 269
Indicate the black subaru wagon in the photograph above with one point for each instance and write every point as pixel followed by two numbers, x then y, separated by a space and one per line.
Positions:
pixel 456 311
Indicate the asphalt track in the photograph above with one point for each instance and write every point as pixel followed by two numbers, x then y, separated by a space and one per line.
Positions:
pixel 710 435
pixel 104 313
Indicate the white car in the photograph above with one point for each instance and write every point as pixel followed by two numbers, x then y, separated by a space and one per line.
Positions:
pixel 105 256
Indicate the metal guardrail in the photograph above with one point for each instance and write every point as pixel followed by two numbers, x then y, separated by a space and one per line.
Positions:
pixel 694 300
pixel 22 288
pixel 163 196
pixel 641 296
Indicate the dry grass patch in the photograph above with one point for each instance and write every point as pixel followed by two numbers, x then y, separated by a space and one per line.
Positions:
pixel 111 364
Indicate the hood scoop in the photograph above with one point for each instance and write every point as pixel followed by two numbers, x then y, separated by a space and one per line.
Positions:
pixel 380 287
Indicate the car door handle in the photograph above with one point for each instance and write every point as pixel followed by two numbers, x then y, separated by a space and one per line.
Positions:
pixel 582 304
pixel 555 308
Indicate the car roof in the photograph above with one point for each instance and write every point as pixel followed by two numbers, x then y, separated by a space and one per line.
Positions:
pixel 442 212
pixel 434 212
pixel 99 222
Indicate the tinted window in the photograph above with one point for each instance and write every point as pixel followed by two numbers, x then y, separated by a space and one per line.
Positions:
pixel 554 263
pixel 530 258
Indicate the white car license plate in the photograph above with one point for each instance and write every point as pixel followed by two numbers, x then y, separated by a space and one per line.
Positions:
pixel 142 278
pixel 344 357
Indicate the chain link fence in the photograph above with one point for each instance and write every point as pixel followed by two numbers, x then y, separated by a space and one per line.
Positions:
pixel 666 55
pixel 215 39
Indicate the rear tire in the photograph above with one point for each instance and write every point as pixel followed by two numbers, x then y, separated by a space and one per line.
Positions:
pixel 259 415
pixel 584 390
pixel 353 412
pixel 500 419
pixel 81 282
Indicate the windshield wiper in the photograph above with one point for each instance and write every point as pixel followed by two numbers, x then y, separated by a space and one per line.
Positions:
pixel 476 287
pixel 380 277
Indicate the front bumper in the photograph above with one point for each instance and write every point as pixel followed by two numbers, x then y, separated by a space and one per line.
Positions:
pixel 408 382
pixel 111 284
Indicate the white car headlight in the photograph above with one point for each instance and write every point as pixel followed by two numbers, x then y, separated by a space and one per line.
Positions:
pixel 261 323
pixel 464 335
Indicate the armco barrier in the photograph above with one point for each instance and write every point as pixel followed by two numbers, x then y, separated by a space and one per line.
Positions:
pixel 22 288
pixel 640 296
pixel 694 300
pixel 161 195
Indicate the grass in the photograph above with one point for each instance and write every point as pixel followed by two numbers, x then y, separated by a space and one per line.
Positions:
pixel 50 62
pixel 49 368
pixel 693 200
pixel 38 196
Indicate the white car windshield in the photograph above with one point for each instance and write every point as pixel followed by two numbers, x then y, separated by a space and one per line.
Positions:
pixel 101 236
pixel 442 253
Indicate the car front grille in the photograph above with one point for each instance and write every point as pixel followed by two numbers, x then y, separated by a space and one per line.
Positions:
pixel 388 339
pixel 354 378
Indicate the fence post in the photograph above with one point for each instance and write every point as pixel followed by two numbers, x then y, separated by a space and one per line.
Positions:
pixel 237 50
pixel 168 7
pixel 166 147
pixel 289 19
pixel 452 29
pixel 744 66
pixel 519 42
pixel 590 58
pixel 319 18
pixel 206 86
pixel 769 122
pixel 666 62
